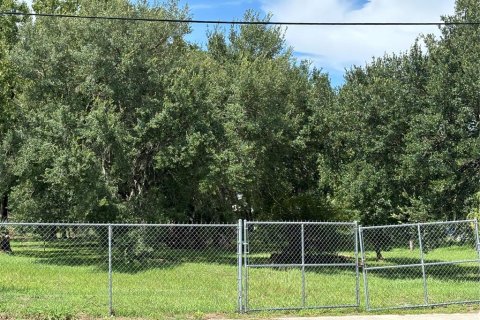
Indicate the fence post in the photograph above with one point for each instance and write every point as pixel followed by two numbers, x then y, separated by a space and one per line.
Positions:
pixel 239 266
pixel 303 264
pixel 425 288
pixel 477 239
pixel 477 242
pixel 110 288
pixel 245 265
pixel 364 268
pixel 357 275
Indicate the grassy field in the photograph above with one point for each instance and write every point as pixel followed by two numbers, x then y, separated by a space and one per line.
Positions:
pixel 42 280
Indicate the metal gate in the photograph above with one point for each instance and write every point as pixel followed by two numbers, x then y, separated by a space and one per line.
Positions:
pixel 420 265
pixel 300 265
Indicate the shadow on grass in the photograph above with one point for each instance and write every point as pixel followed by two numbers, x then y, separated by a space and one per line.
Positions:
pixel 466 272
pixel 6 291
pixel 124 259
pixel 129 258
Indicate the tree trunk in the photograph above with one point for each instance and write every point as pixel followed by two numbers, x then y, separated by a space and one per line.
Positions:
pixel 4 216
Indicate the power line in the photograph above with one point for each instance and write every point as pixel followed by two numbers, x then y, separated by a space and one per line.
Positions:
pixel 278 23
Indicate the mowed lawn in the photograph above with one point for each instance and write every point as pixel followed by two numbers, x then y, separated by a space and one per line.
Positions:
pixel 61 281
pixel 403 286
pixel 52 285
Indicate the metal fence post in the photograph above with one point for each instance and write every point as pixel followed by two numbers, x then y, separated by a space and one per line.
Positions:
pixel 477 244
pixel 239 266
pixel 364 268
pixel 245 264
pixel 477 240
pixel 425 288
pixel 110 288
pixel 357 275
pixel 303 264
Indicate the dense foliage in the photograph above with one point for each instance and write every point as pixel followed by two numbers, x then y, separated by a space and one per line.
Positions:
pixel 128 121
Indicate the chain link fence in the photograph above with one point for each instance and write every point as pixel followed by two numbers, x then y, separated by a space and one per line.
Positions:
pixel 189 268
pixel 130 270
pixel 146 270
pixel 64 267
pixel 300 265
pixel 420 265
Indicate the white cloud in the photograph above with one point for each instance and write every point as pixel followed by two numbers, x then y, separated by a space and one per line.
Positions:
pixel 338 47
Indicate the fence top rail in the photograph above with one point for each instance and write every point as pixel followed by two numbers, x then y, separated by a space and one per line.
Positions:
pixel 65 224
pixel 61 224
pixel 301 222
pixel 417 224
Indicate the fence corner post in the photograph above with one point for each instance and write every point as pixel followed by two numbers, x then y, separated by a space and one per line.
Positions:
pixel 239 265
pixel 110 288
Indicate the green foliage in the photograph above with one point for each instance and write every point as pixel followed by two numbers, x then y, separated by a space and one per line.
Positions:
pixel 114 120
pixel 375 111
pixel 444 143
pixel 127 121
pixel 90 99
pixel 9 87
pixel 406 140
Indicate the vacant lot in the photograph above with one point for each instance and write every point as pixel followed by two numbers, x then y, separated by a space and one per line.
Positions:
pixel 56 279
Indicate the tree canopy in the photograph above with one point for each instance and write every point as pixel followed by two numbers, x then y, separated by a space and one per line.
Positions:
pixel 128 121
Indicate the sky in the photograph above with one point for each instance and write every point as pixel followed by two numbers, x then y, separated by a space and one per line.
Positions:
pixel 333 49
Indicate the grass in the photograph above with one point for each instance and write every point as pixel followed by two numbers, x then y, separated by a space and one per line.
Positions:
pixel 455 283
pixel 60 280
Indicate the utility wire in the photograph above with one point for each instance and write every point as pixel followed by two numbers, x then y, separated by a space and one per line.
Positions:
pixel 279 23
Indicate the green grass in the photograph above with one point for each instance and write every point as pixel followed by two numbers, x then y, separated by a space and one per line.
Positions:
pixel 57 280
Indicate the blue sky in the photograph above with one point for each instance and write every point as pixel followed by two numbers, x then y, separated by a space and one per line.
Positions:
pixel 333 49
pixel 216 10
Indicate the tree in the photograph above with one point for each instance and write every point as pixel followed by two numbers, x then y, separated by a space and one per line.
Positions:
pixel 443 158
pixel 367 141
pixel 272 107
pixel 91 95
pixel 9 26
pixel 126 120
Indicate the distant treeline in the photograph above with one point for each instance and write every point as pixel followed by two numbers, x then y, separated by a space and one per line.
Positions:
pixel 128 121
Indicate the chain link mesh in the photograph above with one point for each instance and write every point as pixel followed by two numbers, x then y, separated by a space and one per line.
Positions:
pixel 53 267
pixel 421 264
pixel 168 269
pixel 184 269
pixel 174 269
pixel 312 265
